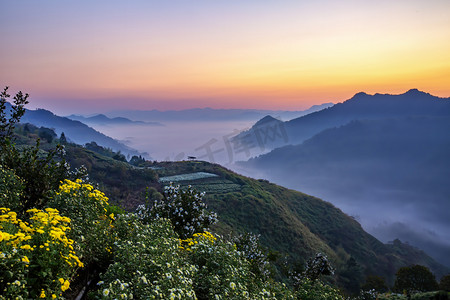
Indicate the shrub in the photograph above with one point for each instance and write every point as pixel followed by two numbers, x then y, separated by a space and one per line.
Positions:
pixel 184 208
pixel 11 189
pixel 151 262
pixel 222 270
pixel 249 245
pixel 308 284
pixel 225 273
pixel 37 259
pixel 315 267
pixel 91 219
pixel 147 263
pixel 308 289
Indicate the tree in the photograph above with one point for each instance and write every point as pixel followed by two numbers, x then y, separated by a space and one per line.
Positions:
pixel 47 134
pixel 414 278
pixel 315 267
pixel 16 112
pixel 40 174
pixel 445 283
pixel 62 138
pixel 352 276
pixel 376 283
pixel 119 156
pixel 136 160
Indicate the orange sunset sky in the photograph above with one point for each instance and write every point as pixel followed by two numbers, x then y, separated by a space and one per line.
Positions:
pixel 98 56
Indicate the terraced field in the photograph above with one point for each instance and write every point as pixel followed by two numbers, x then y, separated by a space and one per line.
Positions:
pixel 186 177
pixel 216 186
pixel 203 182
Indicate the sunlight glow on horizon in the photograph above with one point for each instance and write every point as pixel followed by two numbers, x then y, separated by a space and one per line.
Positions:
pixel 288 55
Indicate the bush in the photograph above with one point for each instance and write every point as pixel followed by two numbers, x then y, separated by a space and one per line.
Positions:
pixel 315 267
pixel 249 245
pixel 184 208
pixel 308 289
pixel 147 263
pixel 91 220
pixel 151 262
pixel 11 189
pixel 41 175
pixel 37 259
pixel 225 273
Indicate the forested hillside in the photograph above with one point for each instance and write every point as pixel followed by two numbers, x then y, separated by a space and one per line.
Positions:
pixel 292 226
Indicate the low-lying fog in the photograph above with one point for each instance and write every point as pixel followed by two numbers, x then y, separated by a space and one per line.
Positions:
pixel 209 141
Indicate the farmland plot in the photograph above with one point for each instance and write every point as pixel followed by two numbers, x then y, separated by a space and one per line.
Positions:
pixel 187 177
pixel 203 182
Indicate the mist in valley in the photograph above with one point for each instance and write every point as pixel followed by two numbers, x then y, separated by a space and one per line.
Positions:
pixel 209 141
pixel 391 175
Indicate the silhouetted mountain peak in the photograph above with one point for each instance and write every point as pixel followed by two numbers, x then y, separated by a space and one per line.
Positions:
pixel 101 116
pixel 360 94
pixel 265 120
pixel 411 94
pixel 416 92
pixel 359 97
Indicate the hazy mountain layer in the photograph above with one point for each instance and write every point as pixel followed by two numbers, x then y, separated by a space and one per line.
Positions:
pixel 209 114
pixel 101 119
pixel 74 131
pixel 393 174
pixel 359 107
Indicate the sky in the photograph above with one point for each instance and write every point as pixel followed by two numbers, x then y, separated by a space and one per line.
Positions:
pixel 98 56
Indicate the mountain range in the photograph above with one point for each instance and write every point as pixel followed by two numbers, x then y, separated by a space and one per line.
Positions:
pixel 360 106
pixel 210 114
pixel 382 158
pixel 74 131
pixel 101 119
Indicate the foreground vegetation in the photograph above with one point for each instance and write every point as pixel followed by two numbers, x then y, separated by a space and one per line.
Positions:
pixel 59 232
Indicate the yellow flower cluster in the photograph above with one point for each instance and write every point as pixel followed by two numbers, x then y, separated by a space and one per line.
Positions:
pixel 203 236
pixel 8 217
pixel 72 188
pixel 64 284
pixel 47 226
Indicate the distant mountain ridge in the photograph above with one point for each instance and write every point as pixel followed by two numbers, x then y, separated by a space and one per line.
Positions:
pixel 210 114
pixel 101 119
pixel 360 106
pixel 74 131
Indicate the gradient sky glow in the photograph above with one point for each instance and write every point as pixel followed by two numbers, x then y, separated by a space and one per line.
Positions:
pixel 222 54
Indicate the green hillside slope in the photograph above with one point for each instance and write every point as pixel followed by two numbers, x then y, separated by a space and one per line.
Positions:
pixel 292 223
pixel 296 224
